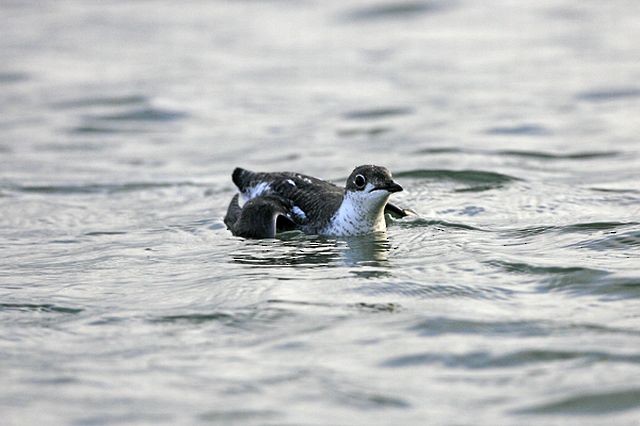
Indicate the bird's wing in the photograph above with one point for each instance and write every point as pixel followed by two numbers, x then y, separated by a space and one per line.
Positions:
pixel 249 182
pixel 261 217
pixel 233 212
pixel 306 193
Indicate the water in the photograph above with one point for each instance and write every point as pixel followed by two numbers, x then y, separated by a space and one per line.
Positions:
pixel 513 299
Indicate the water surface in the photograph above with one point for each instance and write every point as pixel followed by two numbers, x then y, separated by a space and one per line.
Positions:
pixel 512 299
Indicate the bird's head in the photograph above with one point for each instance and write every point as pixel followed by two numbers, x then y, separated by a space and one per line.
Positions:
pixel 371 185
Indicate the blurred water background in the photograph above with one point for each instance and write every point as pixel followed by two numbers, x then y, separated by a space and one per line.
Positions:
pixel 513 126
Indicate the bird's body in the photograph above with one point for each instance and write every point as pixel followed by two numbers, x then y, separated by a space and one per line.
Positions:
pixel 296 201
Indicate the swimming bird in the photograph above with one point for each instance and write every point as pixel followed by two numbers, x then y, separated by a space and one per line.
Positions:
pixel 282 201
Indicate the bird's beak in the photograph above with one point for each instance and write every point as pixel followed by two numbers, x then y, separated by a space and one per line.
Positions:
pixel 390 186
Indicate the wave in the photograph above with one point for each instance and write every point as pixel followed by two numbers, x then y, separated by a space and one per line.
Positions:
pixel 102 101
pixel 143 114
pixel 611 94
pixel 540 155
pixel 575 279
pixel 520 130
pixel 391 10
pixel 464 176
pixel 420 222
pixel 586 155
pixel 482 359
pixel 586 227
pixel 377 113
pixel 594 403
pixel 39 307
pixel 473 180
pixel 619 241
pixel 97 188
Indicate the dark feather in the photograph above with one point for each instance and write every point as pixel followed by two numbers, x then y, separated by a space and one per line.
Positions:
pixel 233 212
pixel 307 193
pixel 260 217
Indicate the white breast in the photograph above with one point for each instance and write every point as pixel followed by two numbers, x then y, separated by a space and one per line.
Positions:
pixel 360 213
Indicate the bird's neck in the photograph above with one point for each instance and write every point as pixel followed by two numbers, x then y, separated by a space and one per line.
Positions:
pixel 359 214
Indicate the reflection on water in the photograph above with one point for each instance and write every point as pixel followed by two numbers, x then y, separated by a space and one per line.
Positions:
pixel 299 250
pixel 367 255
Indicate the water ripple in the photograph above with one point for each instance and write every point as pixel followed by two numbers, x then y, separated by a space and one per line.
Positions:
pixel 622 241
pixel 367 131
pixel 606 95
pixel 479 360
pixel 538 155
pixel 467 176
pixel 442 325
pixel 440 150
pixel 237 416
pixel 41 307
pixel 98 130
pixel 439 326
pixel 594 403
pixel 196 318
pixel 586 227
pixel 586 155
pixel 474 180
pixel 377 113
pixel 436 290
pixel 576 280
pixel 359 306
pixel 398 10
pixel 104 233
pixel 143 114
pixel 259 315
pixel 96 188
pixel 125 299
pixel 12 77
pixel 520 130
pixel 101 101
pixel 419 222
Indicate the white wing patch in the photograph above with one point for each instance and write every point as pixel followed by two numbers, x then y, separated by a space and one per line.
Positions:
pixel 256 191
pixel 304 178
pixel 290 182
pixel 299 213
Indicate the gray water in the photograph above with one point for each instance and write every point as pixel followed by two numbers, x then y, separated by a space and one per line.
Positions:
pixel 512 299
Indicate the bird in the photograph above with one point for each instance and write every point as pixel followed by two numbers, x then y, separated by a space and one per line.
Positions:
pixel 284 201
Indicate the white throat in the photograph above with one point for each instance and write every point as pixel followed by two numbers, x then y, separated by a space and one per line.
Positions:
pixel 361 212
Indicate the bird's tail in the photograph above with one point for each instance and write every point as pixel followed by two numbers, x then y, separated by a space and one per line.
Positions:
pixel 233 212
pixel 242 178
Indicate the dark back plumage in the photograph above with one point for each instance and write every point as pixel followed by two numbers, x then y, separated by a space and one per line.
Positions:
pixel 318 199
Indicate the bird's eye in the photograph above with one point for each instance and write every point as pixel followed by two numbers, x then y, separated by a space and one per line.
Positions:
pixel 360 181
